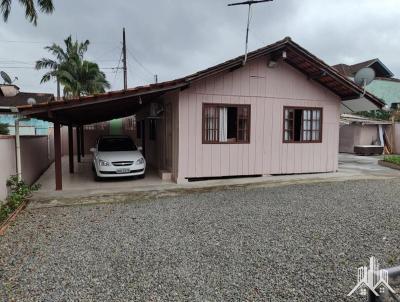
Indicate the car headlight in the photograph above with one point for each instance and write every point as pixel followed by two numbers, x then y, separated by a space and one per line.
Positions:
pixel 103 163
pixel 140 161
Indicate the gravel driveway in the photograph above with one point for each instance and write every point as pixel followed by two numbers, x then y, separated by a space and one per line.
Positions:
pixel 291 243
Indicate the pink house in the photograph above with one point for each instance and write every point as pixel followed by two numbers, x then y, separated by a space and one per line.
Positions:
pixel 276 114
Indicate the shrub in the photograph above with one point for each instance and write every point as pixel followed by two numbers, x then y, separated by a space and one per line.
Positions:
pixel 19 192
pixel 394 159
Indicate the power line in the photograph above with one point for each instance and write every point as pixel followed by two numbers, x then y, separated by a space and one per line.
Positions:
pixel 23 42
pixel 33 67
pixel 138 75
pixel 140 63
pixel 116 71
pixel 50 42
pixel 18 67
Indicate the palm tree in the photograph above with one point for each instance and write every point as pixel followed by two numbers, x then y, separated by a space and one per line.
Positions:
pixel 81 77
pixel 45 6
pixel 61 56
pixel 78 76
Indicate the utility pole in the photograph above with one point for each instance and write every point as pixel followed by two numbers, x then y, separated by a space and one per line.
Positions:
pixel 249 3
pixel 156 78
pixel 124 60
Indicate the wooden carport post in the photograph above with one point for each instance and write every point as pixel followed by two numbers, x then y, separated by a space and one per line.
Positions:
pixel 83 141
pixel 57 156
pixel 78 143
pixel 71 148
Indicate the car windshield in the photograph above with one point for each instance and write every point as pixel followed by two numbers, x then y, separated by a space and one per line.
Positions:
pixel 116 144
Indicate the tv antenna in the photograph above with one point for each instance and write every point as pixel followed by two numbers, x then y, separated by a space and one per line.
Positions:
pixel 6 78
pixel 249 3
pixel 364 77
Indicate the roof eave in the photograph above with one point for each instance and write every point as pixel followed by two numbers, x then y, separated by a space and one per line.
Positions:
pixel 391 74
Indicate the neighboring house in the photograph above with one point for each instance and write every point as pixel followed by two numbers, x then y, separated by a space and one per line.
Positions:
pixel 360 131
pixel 385 86
pixel 277 113
pixel 387 89
pixel 11 97
pixel 350 70
pixel 365 131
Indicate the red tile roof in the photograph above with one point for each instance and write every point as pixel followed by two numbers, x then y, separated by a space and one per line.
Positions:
pixel 296 56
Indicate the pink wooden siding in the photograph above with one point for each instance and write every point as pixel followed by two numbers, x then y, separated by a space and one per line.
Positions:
pixel 267 91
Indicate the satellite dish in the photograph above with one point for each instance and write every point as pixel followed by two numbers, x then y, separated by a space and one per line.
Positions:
pixel 364 77
pixel 6 78
pixel 31 101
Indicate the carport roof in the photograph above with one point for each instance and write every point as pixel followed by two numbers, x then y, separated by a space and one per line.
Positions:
pixel 114 104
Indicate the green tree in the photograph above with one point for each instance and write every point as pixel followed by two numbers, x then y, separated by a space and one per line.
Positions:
pixel 4 129
pixel 81 77
pixel 60 56
pixel 45 6
pixel 78 76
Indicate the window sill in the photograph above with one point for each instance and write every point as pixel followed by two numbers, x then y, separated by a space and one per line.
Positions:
pixel 306 142
pixel 226 143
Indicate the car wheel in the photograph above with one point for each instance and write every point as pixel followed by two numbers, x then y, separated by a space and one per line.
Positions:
pixel 96 177
pixel 142 176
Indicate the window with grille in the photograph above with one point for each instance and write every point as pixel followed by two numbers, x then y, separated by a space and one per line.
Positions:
pixel 130 123
pixel 96 126
pixel 302 125
pixel 226 124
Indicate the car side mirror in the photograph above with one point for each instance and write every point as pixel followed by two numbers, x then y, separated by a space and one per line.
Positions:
pixel 140 148
pixel 92 150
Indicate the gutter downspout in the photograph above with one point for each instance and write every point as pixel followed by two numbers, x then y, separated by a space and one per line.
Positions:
pixel 381 134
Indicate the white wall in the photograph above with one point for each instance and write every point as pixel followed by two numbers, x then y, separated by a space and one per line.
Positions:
pixel 36 156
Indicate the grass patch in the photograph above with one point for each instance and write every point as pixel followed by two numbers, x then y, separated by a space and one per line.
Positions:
pixel 394 159
pixel 19 192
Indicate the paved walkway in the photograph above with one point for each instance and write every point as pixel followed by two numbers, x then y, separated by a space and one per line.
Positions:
pixel 80 188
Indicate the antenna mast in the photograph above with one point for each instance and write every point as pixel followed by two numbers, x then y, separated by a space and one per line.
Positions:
pixel 249 3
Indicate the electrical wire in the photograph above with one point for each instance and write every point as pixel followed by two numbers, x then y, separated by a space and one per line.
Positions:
pixel 138 75
pixel 117 69
pixel 140 63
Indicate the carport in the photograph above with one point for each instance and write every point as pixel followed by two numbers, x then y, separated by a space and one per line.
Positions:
pixel 78 112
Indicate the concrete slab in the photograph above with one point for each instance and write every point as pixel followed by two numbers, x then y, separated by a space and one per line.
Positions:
pixel 83 182
pixel 80 188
